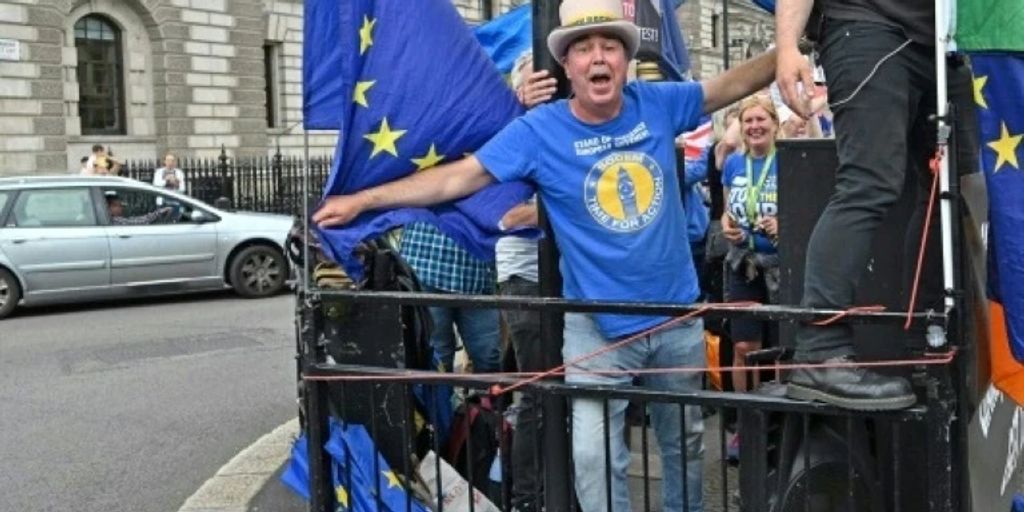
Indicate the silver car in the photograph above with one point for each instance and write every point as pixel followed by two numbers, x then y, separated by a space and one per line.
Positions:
pixel 84 238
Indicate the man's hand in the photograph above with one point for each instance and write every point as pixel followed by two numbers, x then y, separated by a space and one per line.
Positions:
pixel 730 230
pixel 338 210
pixel 520 216
pixel 538 87
pixel 793 69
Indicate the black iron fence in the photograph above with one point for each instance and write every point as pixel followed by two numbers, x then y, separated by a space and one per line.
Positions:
pixel 794 456
pixel 263 184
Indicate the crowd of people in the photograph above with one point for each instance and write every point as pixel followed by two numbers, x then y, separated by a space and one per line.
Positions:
pixel 608 167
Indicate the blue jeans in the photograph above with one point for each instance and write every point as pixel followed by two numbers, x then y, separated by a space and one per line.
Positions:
pixel 478 329
pixel 682 345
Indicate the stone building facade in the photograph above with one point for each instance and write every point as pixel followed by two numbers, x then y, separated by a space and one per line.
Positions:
pixel 190 76
pixel 751 31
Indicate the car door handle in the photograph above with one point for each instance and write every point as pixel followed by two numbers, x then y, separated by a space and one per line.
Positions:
pixel 124 236
pixel 19 240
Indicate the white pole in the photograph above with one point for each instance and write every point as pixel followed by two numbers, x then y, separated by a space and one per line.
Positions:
pixel 942 37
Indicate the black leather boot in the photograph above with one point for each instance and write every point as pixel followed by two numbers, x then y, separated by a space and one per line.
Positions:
pixel 850 387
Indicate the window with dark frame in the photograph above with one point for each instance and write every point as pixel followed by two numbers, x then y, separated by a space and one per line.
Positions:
pixel 714 31
pixel 100 76
pixel 270 67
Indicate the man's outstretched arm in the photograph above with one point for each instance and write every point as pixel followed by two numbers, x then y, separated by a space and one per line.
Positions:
pixel 739 82
pixel 793 68
pixel 437 185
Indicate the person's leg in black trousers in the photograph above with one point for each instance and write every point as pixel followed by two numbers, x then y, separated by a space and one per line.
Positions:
pixel 524 334
pixel 878 83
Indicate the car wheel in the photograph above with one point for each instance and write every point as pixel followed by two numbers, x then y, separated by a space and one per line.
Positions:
pixel 258 271
pixel 10 293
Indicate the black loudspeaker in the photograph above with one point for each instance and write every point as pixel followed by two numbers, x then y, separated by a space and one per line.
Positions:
pixel 806 179
pixel 787 465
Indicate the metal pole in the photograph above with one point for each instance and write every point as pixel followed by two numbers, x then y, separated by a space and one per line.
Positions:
pixel 555 439
pixel 725 34
pixel 947 388
pixel 304 286
pixel 317 414
pixel 942 101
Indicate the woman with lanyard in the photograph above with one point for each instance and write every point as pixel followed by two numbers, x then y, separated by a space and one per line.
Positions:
pixel 750 186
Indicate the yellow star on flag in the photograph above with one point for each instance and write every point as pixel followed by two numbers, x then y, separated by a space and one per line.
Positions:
pixel 429 160
pixel 341 495
pixel 384 139
pixel 393 480
pixel 979 86
pixel 1006 148
pixel 366 34
pixel 359 96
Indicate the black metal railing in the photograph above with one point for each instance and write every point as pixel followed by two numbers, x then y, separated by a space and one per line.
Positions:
pixel 794 457
pixel 263 184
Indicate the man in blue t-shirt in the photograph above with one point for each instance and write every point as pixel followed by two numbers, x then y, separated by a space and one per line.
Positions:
pixel 603 163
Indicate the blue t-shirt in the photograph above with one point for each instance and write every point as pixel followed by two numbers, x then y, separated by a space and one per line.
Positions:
pixel 734 176
pixel 611 193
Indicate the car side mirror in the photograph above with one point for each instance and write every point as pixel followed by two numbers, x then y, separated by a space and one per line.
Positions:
pixel 197 217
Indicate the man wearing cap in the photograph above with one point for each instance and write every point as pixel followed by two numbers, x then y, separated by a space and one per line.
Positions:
pixel 603 162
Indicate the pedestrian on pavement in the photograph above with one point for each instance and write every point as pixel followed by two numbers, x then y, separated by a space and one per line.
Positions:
pixel 169 176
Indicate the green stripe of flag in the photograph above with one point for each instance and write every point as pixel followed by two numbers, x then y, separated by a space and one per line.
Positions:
pixel 990 25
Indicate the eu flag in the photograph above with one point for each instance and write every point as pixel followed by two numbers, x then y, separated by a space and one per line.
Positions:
pixel 362 472
pixel 356 477
pixel 990 31
pixel 409 88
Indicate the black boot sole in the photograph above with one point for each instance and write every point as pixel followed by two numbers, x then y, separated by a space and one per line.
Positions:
pixel 798 392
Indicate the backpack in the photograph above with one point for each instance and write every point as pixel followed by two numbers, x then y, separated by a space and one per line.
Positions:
pixel 474 445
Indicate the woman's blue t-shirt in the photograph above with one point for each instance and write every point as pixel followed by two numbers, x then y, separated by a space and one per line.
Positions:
pixel 612 196
pixel 734 176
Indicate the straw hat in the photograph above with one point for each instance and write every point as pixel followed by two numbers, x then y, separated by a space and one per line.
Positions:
pixel 582 17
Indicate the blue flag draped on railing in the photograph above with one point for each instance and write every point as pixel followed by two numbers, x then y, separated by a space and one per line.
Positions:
pixel 355 475
pixel 409 87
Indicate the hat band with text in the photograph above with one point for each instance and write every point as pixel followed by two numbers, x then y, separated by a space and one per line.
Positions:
pixel 588 19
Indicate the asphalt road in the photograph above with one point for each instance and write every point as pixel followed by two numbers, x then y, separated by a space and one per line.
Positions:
pixel 132 406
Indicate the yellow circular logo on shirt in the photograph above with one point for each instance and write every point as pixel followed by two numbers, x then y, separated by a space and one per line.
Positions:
pixel 624 191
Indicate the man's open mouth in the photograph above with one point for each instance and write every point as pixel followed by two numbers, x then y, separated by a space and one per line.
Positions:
pixel 600 78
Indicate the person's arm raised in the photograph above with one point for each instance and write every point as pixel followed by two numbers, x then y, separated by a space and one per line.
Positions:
pixel 739 82
pixel 793 68
pixel 437 185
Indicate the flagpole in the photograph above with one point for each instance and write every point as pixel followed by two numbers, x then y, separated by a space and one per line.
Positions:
pixel 942 104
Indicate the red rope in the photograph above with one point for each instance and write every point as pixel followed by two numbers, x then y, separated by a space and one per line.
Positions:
pixel 928 359
pixel 856 309
pixel 497 390
pixel 934 165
